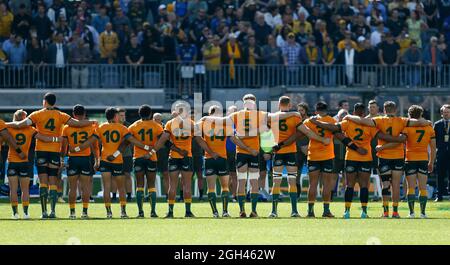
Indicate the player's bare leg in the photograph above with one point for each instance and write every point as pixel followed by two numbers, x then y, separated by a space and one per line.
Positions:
pixel 121 182
pixel 396 180
pixel 212 196
pixel 107 183
pixel 253 175
pixel 187 193
pixel 225 183
pixel 13 186
pixel 140 183
pixel 166 179
pixel 241 191
pixel 25 188
pixel 364 182
pixel 86 188
pixel 73 184
pixel 151 179
pixel 329 181
pixel 350 180
pixel 423 193
pixel 172 191
pixel 312 191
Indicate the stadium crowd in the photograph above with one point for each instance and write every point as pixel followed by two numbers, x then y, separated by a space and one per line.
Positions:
pixel 230 32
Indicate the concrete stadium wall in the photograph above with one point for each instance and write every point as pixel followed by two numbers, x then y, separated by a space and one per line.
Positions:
pixel 90 98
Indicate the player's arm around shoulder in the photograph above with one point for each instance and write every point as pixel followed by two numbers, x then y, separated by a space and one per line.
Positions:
pixel 362 121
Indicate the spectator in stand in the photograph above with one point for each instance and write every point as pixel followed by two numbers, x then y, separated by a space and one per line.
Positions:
pixel 6 20
pixel 367 59
pixel 272 56
pixel 394 24
pixel 57 57
pixel 273 17
pixel 339 34
pixel 348 39
pixel 404 41
pixel 345 11
pixel 197 25
pixel 79 56
pixel 360 28
pixel 282 36
pixel 153 50
pixel 120 21
pixel 302 22
pixel 99 22
pixel 186 57
pixel 302 36
pixel 63 28
pixel 376 36
pixel 56 10
pixel 375 18
pixel 293 55
pixel 389 56
pixel 347 58
pixel 433 57
pixel 7 44
pixel 249 10
pixel 134 57
pixel 252 56
pixel 376 4
pixel 431 12
pixel 329 54
pixel 232 55
pixel 195 7
pixel 136 14
pixel 108 44
pixel 314 57
pixel 413 59
pixel 36 59
pixel 3 62
pixel 320 32
pixel 262 30
pixel 22 23
pixel 17 57
pixel 415 24
pixel 211 55
pixel 43 26
pixel 315 15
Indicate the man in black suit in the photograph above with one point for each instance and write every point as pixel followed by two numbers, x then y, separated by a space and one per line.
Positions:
pixel 442 129
pixel 57 57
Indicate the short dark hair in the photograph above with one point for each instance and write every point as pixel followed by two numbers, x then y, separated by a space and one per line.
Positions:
pixel 284 100
pixel 50 98
pixel 79 110
pixel 359 107
pixel 415 111
pixel 249 97
pixel 341 102
pixel 321 106
pixel 110 113
pixel 121 110
pixel 304 105
pixel 145 111
pixel 390 106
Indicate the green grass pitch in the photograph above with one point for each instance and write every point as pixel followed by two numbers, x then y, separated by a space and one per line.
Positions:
pixel 206 230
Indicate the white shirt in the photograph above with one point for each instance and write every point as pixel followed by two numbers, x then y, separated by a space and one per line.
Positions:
pixel 59 55
pixel 375 38
pixel 273 21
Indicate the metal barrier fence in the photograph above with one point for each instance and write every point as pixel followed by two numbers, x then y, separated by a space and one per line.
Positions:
pixel 180 79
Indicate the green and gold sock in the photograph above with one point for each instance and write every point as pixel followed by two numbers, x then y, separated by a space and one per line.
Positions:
pixel 395 207
pixel 14 207
pixel 310 207
pixel 275 198
pixel 25 205
pixel 293 195
pixel 187 204
pixel 43 196
pixel 171 204
pixel 254 198
pixel 423 198
pixel 411 199
pixel 241 201
pixel 140 198
pixel 212 200
pixel 225 197
pixel 53 197
pixel 152 193
pixel 326 207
